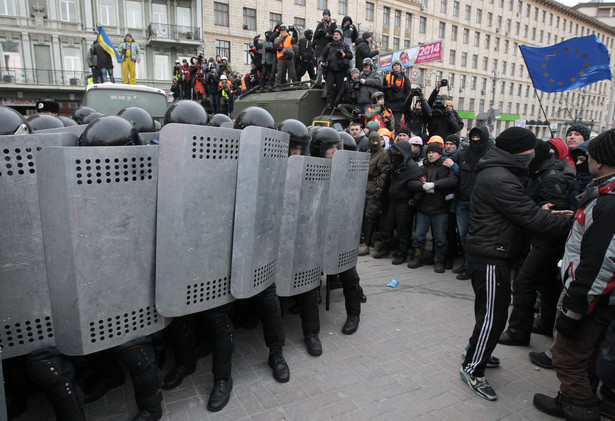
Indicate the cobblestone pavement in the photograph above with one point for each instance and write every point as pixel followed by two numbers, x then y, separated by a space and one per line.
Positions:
pixel 403 363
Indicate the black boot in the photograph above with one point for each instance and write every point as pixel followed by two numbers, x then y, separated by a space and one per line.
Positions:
pixel 383 252
pixel 140 362
pixel 221 351
pixel 352 300
pixel 310 321
pixel 220 394
pixel 183 333
pixel 417 258
pixel 549 405
pixel 108 375
pixel 581 410
pixel 438 262
pixel 313 345
pixel 351 325
pixel 276 361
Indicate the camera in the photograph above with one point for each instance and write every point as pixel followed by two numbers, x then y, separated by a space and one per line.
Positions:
pixel 416 91
pixel 444 82
pixel 338 53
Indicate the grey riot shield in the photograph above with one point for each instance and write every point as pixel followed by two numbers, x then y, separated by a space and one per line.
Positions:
pixel 25 309
pixel 3 414
pixel 196 200
pixel 70 129
pixel 149 138
pixel 302 233
pixel 263 154
pixel 98 209
pixel 346 200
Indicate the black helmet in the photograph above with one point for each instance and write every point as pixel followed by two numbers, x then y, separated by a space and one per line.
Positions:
pixel 299 135
pixel 67 121
pixel 349 143
pixel 110 130
pixel 81 112
pixel 157 125
pixel 367 61
pixel 254 116
pixel 12 122
pixel 218 119
pixel 91 117
pixel 308 32
pixel 323 139
pixel 141 119
pixel 186 112
pixel 376 96
pixel 47 106
pixel 283 28
pixel 44 121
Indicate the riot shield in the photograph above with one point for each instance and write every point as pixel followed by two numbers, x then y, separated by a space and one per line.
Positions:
pixel 70 129
pixel 25 309
pixel 346 200
pixel 148 138
pixel 196 200
pixel 3 414
pixel 263 155
pixel 98 209
pixel 302 233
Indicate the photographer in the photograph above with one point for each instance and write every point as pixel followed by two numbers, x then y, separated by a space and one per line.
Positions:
pixel 285 55
pixel 346 98
pixel 396 89
pixel 369 82
pixel 416 117
pixel 337 56
pixel 379 113
pixel 444 119
pixel 322 36
pixel 268 52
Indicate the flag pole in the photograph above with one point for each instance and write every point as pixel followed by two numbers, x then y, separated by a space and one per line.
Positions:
pixel 543 111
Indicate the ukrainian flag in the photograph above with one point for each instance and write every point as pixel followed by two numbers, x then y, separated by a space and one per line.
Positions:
pixel 105 42
pixel 571 64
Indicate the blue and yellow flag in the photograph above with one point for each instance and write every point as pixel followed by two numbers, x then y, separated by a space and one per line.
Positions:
pixel 571 64
pixel 105 42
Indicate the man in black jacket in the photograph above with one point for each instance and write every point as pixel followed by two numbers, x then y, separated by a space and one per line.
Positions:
pixel 362 48
pixel 416 116
pixel 322 36
pixel 500 212
pixel 306 56
pixel 336 57
pixel 444 120
pixel 396 88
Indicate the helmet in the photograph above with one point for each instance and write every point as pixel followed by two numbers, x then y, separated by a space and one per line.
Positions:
pixel 186 112
pixel 223 77
pixel 47 106
pixel 141 119
pixel 67 121
pixel 91 117
pixel 367 61
pixel 299 135
pixel 157 125
pixel 323 139
pixel 254 116
pixel 384 132
pixel 225 58
pixel 308 32
pixel 110 130
pixel 283 28
pixel 218 119
pixel 12 122
pixel 376 96
pixel 44 121
pixel 349 143
pixel 81 112
pixel 373 126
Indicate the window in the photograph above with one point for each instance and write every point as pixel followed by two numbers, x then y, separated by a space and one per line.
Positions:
pixel 72 62
pixel 515 49
pixel 443 6
pixel 107 12
pixel 536 13
pixel 300 2
pixel 422 24
pixel 512 69
pixel 477 39
pixel 299 23
pixel 471 104
pixel 406 43
pixel 525 31
pixel 544 16
pixel 464 59
pixel 221 14
pixel 485 63
pixel 451 57
pixel 460 102
pixel 498 24
pixel 525 109
pixel 369 11
pixel 456 9
pixel 11 59
pixel 504 64
pixel 68 10
pixel 468 15
pixel 540 38
pixel 274 19
pixel 466 36
pixel 385 42
pixel 321 4
pixel 161 67
pixel 503 89
pixel 506 45
pixel 441 29
pixel 183 17
pixel 342 7
pixel 521 70
pixel 495 64
pixel 223 48
pixel 133 14
pixel 423 4
pixel 462 82
pixel 510 5
pixel 159 13
pixel 511 88
pixel 501 3
pixel 473 83
pixel 397 21
pixel 454 33
pixel 481 105
pixel 527 91
pixel 474 61
pixel 528 9
pixel 487 41
pixel 508 25
pixel 534 34
pixel 479 15
pixel 517 28
pixel 246 54
pixel 550 19
pixel 483 84
pixel 520 90
pixel 496 46
pixel 395 43
pixel 249 19
pixel 7 7
pixel 386 16
pixel 408 21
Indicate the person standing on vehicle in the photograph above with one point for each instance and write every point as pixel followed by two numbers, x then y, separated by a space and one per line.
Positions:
pixel 104 62
pixel 322 36
pixel 285 55
pixel 131 54
pixel 362 48
pixel 370 82
pixel 396 89
pixel 336 58
pixel 306 56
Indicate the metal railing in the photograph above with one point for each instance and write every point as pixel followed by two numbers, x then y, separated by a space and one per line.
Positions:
pixel 43 77
pixel 176 32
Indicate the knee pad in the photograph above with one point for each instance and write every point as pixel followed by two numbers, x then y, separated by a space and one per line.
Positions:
pixel 47 372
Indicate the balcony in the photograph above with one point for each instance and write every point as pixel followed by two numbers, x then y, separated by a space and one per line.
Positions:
pixel 173 33
pixel 42 77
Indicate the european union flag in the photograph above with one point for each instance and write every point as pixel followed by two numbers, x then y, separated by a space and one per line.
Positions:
pixel 571 64
pixel 106 44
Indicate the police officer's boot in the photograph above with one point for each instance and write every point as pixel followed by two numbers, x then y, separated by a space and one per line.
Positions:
pixel 102 373
pixel 438 262
pixel 54 376
pixel 310 321
pixel 417 258
pixel 140 362
pixel 221 352
pixel 183 333
pixel 352 298
pixel 271 316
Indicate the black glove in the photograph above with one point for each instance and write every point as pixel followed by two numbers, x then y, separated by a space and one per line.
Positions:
pixel 378 195
pixel 567 326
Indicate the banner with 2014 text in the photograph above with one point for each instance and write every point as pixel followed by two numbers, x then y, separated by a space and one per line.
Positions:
pixel 411 56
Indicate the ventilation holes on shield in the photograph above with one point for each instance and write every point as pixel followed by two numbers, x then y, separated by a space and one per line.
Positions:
pixel 114 170
pixel 307 277
pixel 121 324
pixel 358 165
pixel 208 291
pixel 18 161
pixel 25 332
pixel 264 273
pixel 275 148
pixel 347 257
pixel 317 172
pixel 215 148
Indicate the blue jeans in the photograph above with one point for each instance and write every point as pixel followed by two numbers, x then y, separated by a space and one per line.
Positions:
pixel 214 101
pixel 107 74
pixel 439 226
pixel 463 215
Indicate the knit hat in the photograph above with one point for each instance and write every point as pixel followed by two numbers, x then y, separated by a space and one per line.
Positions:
pixel 515 140
pixel 416 140
pixel 437 139
pixel 581 128
pixel 449 102
pixel 542 150
pixel 602 148
pixel 396 61
pixel 374 137
pixel 452 138
pixel 353 71
pixel 405 130
pixel 128 35
pixel 366 35
pixel 339 31
pixel 435 147
pixel 326 12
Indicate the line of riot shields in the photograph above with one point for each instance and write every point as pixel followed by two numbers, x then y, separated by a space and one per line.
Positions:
pixel 102 245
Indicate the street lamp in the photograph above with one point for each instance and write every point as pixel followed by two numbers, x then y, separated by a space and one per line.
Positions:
pixel 495 76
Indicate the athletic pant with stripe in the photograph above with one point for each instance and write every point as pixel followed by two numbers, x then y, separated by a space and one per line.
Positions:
pixel 491 284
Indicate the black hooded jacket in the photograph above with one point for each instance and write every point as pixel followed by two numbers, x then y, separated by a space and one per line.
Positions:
pixel 402 173
pixel 445 184
pixel 362 51
pixel 322 36
pixel 467 160
pixel 501 213
pixel 348 29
